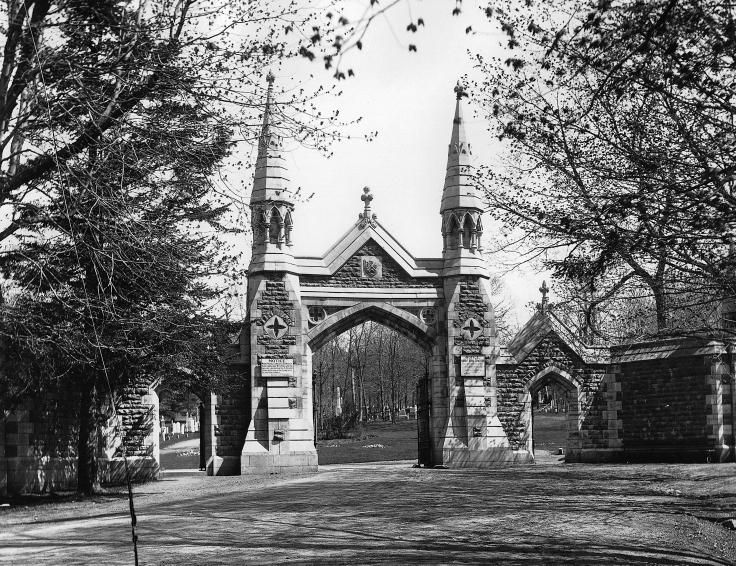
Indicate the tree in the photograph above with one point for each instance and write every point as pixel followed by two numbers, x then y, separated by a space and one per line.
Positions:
pixel 113 120
pixel 113 277
pixel 621 115
pixel 382 364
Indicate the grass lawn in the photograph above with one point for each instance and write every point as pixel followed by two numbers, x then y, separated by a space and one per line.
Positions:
pixel 180 453
pixel 550 431
pixel 386 441
pixel 379 441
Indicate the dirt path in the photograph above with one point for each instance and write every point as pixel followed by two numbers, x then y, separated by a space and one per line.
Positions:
pixel 391 513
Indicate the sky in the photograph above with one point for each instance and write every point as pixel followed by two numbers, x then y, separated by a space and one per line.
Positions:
pixel 408 98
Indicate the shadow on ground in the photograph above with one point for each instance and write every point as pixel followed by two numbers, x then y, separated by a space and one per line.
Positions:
pixel 392 513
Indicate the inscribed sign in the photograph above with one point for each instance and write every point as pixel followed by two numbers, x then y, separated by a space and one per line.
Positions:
pixel 473 366
pixel 277 367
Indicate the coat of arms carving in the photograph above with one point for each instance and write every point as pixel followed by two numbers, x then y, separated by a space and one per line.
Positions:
pixel 371 267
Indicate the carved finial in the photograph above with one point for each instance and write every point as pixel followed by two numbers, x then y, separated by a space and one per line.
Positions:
pixel 365 218
pixel 545 301
pixel 366 197
pixel 269 94
pixel 460 90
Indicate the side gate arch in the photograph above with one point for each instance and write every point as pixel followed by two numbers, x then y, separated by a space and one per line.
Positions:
pixel 558 376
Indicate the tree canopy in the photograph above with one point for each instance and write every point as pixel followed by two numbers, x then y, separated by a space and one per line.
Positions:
pixel 619 116
pixel 114 119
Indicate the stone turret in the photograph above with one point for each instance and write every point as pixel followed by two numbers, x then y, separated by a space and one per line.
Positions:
pixel 271 202
pixel 462 203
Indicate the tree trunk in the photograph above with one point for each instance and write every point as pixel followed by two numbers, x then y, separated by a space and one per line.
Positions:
pixel 660 305
pixel 352 384
pixel 319 402
pixel 381 395
pixel 87 480
pixel 392 378
pixel 364 399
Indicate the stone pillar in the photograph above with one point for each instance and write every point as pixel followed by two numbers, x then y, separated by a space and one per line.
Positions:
pixel 202 414
pixel 153 439
pixel 439 408
pixel 496 436
pixel 280 434
pixel 473 432
pixel 718 413
pixel 214 462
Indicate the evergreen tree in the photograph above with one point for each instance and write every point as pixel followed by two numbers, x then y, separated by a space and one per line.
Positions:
pixel 114 117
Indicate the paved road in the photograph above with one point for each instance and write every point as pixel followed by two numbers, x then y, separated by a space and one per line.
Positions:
pixel 391 513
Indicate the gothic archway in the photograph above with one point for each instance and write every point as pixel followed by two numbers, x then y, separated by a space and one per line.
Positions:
pixel 387 403
pixel 567 413
pixel 182 427
pixel 397 319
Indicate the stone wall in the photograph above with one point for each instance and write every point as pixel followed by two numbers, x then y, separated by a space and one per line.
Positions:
pixel 675 400
pixel 38 442
pixel 38 445
pixel 663 407
pixel 350 274
pixel 229 412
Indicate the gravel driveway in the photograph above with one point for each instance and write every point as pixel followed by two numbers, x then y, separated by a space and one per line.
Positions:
pixel 392 513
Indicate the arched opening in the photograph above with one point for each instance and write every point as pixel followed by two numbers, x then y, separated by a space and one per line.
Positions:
pixel 479 234
pixel 181 428
pixel 453 228
pixel 370 367
pixel 288 226
pixel 274 227
pixel 468 229
pixel 553 411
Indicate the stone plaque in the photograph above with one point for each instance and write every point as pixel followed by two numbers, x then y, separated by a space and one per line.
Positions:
pixel 277 367
pixel 473 366
pixel 371 267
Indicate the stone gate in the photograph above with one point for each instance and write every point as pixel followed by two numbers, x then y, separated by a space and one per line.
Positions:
pixel 477 411
pixel 667 399
pixel 296 304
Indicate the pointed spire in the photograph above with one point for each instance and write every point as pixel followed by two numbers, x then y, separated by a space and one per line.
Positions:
pixel 462 205
pixel 271 202
pixel 264 138
pixel 270 182
pixel 459 191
